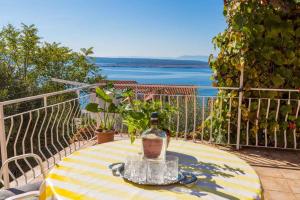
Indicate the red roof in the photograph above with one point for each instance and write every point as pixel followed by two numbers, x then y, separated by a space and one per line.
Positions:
pixel 150 89
pixel 119 81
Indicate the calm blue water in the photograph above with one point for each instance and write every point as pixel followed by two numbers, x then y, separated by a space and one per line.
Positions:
pixel 155 71
pixel 178 75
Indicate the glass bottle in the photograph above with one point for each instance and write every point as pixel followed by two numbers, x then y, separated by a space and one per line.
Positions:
pixel 154 140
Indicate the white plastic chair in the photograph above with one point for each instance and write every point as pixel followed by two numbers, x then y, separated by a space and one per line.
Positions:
pixel 25 192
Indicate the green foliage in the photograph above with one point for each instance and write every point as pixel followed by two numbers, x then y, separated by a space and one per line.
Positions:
pixel 103 95
pixel 263 41
pixel 136 115
pixel 27 63
pixel 262 38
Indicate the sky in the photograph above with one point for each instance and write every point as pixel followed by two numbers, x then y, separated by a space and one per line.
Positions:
pixel 122 28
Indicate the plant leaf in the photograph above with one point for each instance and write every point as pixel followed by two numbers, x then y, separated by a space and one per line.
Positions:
pixel 102 95
pixel 112 108
pixel 93 107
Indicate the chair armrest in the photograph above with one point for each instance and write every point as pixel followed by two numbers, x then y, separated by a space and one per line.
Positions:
pixel 24 196
pixel 29 155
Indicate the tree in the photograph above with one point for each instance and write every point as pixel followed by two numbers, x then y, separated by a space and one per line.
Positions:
pixel 26 66
pixel 263 39
pixel 27 63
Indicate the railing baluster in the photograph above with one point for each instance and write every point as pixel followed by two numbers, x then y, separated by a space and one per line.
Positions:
pixel 77 113
pixel 46 138
pixel 63 128
pixel 52 134
pixel 177 124
pixel 3 146
pixel 15 149
pixel 276 119
pixel 238 131
pixel 67 129
pixel 203 118
pixel 34 129
pixel 286 118
pixel 88 133
pixel 195 116
pixel 256 123
pixel 23 143
pixel 211 119
pixel 57 130
pixel 75 123
pixel 88 123
pixel 186 117
pixel 294 132
pixel 10 130
pixel 161 101
pixel 248 121
pixel 39 135
pixel 220 112
pixel 169 102
pixel 91 126
pixel 122 127
pixel 83 115
pixel 229 128
pixel 71 121
pixel 266 129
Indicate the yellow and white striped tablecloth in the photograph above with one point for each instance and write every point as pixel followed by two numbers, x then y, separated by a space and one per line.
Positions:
pixel 85 175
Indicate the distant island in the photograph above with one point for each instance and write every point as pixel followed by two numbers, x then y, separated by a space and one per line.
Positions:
pixel 148 62
pixel 193 57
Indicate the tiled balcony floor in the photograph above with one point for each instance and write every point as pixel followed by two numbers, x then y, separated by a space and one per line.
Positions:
pixel 279 171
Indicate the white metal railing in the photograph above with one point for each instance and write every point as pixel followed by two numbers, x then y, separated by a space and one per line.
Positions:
pixel 198 117
pixel 60 125
pixel 55 128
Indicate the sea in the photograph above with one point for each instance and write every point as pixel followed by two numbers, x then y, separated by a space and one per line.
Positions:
pixel 158 71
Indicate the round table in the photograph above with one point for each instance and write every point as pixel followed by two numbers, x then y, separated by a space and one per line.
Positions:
pixel 85 175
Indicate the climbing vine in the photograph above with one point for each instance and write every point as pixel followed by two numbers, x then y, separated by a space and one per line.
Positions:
pixel 263 39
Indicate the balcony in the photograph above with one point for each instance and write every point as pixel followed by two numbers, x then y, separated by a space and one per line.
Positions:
pixel 55 125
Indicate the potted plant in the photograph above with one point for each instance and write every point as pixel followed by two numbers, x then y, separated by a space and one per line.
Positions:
pixel 106 111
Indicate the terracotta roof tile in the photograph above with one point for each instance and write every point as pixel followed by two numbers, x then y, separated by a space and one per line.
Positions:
pixel 150 89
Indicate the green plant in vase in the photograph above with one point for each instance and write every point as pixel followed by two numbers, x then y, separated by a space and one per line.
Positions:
pixel 136 115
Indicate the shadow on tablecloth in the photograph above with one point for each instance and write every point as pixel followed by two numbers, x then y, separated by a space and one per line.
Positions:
pixel 206 171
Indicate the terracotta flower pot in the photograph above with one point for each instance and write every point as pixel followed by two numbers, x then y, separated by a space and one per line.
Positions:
pixel 152 147
pixel 105 136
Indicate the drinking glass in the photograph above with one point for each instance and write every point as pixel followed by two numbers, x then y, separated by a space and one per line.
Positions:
pixel 128 166
pixel 171 174
pixel 135 169
pixel 139 170
pixel 156 170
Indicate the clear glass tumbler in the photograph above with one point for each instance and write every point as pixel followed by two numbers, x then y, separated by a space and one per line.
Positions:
pixel 171 173
pixel 135 169
pixel 139 170
pixel 156 171
pixel 129 164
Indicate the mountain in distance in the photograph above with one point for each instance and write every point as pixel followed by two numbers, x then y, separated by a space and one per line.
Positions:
pixel 193 57
pixel 148 62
